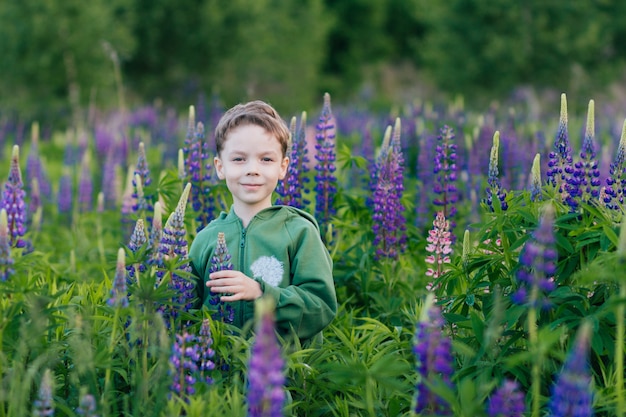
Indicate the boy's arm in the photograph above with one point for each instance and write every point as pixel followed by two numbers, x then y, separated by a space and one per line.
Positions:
pixel 309 304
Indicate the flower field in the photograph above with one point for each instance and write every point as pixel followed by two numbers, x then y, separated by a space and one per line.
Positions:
pixel 479 261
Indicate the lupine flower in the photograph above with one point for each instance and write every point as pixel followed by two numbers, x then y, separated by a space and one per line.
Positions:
pixel 221 262
pixel 35 200
pixel 85 185
pixel 445 171
pixel 424 171
pixel 292 187
pixel 109 183
pixel 182 174
pixel 432 350
pixel 584 184
pixel 173 245
pixel 560 166
pixel 184 362
pixel 266 392
pixel 205 345
pixel 137 240
pixel 571 394
pixel 537 264
pixel 87 406
pixel 495 188
pixel 616 183
pixel 507 401
pixel 439 246
pixel 198 165
pixel 64 197
pixel 387 188
pixel 119 291
pixel 43 406
pixel 13 202
pixel 325 180
pixel 141 178
pixel 6 261
pixel 156 232
pixel 535 179
pixel 34 167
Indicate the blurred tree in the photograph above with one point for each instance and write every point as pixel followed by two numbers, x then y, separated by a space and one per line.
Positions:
pixel 53 51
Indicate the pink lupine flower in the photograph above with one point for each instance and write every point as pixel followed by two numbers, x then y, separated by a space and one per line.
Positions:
pixel 439 246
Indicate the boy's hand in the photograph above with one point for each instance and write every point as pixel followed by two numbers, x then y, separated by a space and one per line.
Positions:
pixel 234 283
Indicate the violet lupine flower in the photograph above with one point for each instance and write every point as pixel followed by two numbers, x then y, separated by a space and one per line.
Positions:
pixel 571 393
pixel 584 184
pixel 535 179
pixel 13 202
pixel 266 391
pixel 432 350
pixel 109 183
pixel 507 401
pixel 220 261
pixel 560 166
pixel 141 178
pixel 119 291
pixel 34 167
pixel 198 165
pixel 495 187
pixel 87 406
pixel 138 239
pixel 325 180
pixel 387 188
pixel 6 261
pixel 173 245
pixel 616 183
pixel 537 265
pixel 43 406
pixel 445 170
pixel 439 247
pixel 85 185
pixel 64 196
pixel 184 362
pixel 205 345
pixel 293 186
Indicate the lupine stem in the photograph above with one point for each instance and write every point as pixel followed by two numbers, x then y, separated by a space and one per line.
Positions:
pixel 619 351
pixel 107 374
pixel 534 347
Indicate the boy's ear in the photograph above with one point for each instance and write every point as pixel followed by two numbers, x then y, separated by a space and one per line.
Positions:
pixel 283 167
pixel 219 168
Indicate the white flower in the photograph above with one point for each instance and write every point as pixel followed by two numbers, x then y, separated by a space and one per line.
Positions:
pixel 269 269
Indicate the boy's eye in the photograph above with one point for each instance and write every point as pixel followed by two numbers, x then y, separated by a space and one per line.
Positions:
pixel 266 159
pixel 237 159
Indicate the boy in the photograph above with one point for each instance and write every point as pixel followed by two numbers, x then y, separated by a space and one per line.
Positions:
pixel 276 251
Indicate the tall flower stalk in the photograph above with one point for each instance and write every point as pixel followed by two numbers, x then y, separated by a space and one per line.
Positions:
pixel 560 166
pixel 439 248
pixel 507 401
pixel 620 313
pixel 141 180
pixel 325 180
pixel 387 188
pixel 494 190
pixel 445 169
pixel 6 260
pixel 221 262
pixel 616 183
pixel 266 391
pixel 292 188
pixel 535 179
pixel 191 361
pixel 584 184
pixel 13 202
pixel 43 406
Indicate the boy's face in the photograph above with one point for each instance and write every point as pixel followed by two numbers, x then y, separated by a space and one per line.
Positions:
pixel 251 162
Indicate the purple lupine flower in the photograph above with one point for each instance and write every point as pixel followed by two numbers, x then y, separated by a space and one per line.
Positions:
pixel 537 264
pixel 34 167
pixel 495 188
pixel 560 166
pixel 507 401
pixel 119 291
pixel 64 196
pixel 584 183
pixel 6 261
pixel 198 165
pixel 571 394
pixel 109 183
pixel 387 188
pixel 445 170
pixel 43 406
pixel 425 178
pixel 432 350
pixel 137 240
pixel 205 345
pixel 616 183
pixel 220 261
pixel 184 363
pixel 141 178
pixel 35 200
pixel 266 391
pixel 87 406
pixel 85 185
pixel 13 202
pixel 293 186
pixel 325 180
pixel 439 247
pixel 535 179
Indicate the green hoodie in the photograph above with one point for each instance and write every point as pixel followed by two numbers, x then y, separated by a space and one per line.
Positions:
pixel 281 249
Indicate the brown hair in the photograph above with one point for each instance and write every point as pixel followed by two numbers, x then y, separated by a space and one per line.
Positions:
pixel 255 112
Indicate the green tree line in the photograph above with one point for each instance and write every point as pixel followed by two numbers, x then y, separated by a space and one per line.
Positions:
pixel 62 54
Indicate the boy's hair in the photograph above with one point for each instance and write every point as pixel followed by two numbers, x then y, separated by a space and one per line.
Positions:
pixel 257 113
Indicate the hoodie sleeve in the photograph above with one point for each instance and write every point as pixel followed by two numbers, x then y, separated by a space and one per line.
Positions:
pixel 309 303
